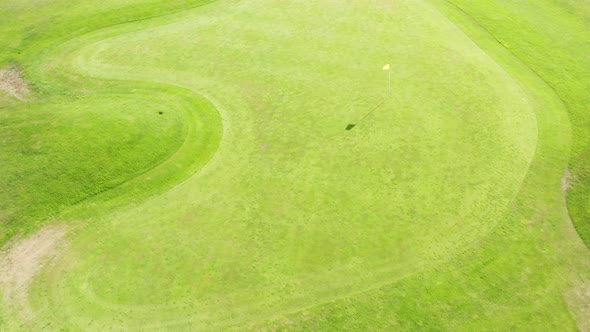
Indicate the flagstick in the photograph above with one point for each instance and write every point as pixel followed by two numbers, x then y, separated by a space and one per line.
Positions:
pixel 389 82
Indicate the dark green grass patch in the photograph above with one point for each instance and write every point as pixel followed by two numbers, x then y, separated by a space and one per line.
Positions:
pixel 60 152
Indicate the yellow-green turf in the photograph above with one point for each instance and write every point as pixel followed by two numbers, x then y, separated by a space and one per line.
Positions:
pixel 198 152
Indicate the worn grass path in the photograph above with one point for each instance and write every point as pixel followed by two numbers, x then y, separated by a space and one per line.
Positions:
pixel 441 210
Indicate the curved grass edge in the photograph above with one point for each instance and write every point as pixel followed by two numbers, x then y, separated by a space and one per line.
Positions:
pixel 204 132
pixel 554 136
pixel 563 66
pixel 130 180
pixel 53 74
pixel 552 110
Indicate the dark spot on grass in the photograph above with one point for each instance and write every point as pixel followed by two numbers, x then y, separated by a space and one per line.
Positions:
pixel 350 126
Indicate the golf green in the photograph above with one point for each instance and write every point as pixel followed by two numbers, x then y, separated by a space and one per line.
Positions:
pixel 188 167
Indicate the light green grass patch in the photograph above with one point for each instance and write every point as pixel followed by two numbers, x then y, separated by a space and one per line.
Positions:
pixel 279 218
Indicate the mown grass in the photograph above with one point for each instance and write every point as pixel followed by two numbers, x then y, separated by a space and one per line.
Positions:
pixel 442 210
pixel 78 138
pixel 57 154
pixel 554 40
pixel 493 286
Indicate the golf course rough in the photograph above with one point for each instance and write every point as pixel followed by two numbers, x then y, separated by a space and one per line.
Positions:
pixel 186 165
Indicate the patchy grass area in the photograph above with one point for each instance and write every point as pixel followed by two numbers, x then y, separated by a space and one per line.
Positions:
pixel 198 153
pixel 12 83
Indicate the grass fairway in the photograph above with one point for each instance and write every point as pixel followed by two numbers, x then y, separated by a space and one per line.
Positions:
pixel 193 162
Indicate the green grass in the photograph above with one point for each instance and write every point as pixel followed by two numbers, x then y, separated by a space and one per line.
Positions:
pixel 246 205
pixel 553 41
pixel 43 139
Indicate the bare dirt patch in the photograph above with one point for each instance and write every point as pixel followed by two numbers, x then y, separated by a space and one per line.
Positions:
pixel 21 260
pixel 12 82
pixel 567 181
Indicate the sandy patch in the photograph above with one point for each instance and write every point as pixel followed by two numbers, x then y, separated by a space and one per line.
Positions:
pixel 567 181
pixel 12 82
pixel 21 260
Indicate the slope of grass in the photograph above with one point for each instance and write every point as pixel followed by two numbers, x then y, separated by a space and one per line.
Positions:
pixel 554 40
pixel 441 209
pixel 77 138
pixel 30 27
pixel 42 140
